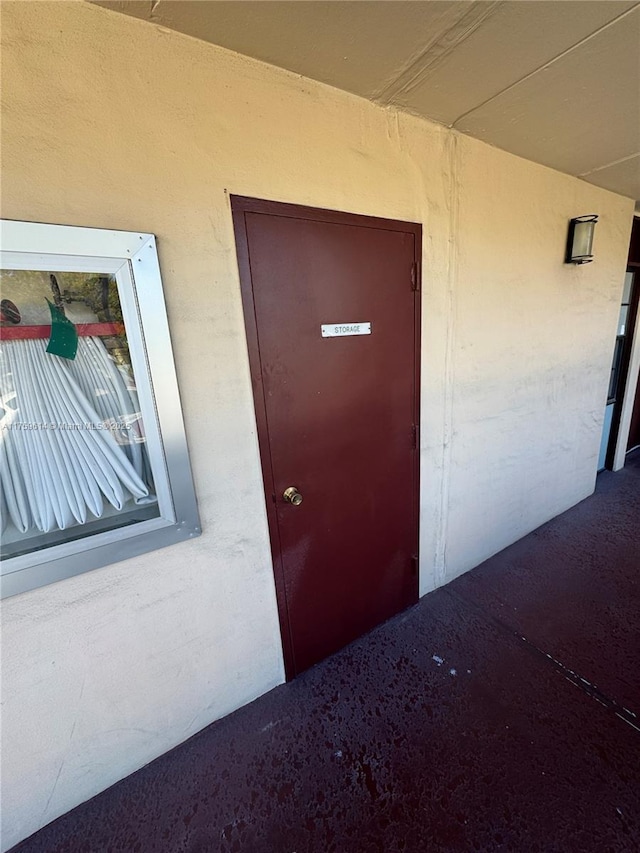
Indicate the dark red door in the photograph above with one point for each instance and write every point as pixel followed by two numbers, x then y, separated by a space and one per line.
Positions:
pixel 332 316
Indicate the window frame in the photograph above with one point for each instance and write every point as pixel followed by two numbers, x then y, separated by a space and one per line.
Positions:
pixel 133 260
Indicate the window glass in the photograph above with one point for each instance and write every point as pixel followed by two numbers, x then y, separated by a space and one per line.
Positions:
pixel 628 284
pixel 615 370
pixel 73 450
pixel 622 320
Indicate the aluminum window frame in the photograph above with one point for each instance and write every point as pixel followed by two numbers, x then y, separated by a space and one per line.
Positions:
pixel 132 258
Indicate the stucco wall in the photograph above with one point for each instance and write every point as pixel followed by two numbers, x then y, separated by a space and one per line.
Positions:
pixel 533 343
pixel 113 123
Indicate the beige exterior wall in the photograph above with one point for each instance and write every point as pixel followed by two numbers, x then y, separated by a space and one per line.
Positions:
pixel 113 123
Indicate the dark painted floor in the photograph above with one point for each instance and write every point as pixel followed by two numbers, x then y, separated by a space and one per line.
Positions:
pixel 498 714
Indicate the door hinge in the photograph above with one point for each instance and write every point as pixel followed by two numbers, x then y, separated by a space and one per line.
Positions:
pixel 415 279
pixel 415 436
pixel 414 565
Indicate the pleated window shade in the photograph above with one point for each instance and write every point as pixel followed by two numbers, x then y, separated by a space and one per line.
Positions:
pixel 81 444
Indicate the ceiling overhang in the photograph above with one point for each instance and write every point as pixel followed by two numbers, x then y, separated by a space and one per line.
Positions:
pixel 553 81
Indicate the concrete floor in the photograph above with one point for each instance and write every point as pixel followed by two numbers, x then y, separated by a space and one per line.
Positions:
pixel 501 713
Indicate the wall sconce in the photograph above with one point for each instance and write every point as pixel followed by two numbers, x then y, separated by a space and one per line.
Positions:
pixel 580 239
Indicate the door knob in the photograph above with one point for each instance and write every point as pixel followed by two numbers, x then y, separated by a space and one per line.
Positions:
pixel 293 496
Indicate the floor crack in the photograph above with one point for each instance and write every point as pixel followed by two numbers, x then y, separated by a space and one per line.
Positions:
pixel 625 714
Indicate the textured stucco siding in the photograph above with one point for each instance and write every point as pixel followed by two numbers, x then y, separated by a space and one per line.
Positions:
pixel 114 123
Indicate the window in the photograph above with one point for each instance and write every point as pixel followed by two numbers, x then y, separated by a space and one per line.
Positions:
pixel 93 459
pixel 622 335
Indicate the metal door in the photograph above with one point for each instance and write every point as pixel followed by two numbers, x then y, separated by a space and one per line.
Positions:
pixel 332 310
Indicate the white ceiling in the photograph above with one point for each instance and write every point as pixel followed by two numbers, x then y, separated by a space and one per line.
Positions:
pixel 555 81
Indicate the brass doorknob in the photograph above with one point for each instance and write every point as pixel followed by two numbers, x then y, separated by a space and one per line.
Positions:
pixel 293 496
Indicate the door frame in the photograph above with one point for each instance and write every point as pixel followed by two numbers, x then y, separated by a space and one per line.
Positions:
pixel 240 206
pixel 617 437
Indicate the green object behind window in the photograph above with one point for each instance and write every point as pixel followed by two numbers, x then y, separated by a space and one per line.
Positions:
pixel 64 336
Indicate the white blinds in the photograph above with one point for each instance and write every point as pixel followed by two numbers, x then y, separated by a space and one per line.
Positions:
pixel 57 465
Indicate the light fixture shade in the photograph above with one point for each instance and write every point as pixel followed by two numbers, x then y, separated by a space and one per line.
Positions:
pixel 580 239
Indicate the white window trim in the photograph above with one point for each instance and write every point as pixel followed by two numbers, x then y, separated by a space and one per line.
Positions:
pixel 132 258
pixel 633 378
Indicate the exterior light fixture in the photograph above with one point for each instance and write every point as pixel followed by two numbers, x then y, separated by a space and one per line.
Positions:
pixel 580 239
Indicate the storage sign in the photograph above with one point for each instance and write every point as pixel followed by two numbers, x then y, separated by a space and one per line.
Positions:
pixel 341 330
